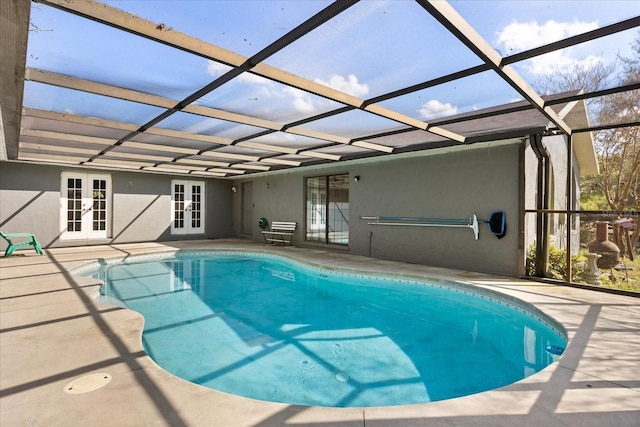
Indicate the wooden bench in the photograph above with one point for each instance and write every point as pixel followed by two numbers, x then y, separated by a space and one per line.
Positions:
pixel 27 239
pixel 281 232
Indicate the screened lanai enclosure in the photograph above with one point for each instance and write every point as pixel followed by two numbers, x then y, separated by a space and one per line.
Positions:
pixel 134 120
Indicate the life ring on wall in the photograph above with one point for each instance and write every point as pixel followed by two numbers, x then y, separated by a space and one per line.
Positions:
pixel 263 223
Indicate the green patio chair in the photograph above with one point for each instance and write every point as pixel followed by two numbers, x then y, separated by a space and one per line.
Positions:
pixel 30 241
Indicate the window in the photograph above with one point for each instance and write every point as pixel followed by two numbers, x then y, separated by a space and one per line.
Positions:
pixel 327 209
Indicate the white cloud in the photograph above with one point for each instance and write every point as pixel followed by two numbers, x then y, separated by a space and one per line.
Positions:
pixel 216 69
pixel 349 85
pixel 521 36
pixel 302 102
pixel 435 108
pixel 253 79
pixel 560 61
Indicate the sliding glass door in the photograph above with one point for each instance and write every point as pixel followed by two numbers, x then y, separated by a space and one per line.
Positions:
pixel 327 209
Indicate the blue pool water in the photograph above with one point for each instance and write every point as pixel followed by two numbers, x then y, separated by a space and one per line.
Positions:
pixel 269 328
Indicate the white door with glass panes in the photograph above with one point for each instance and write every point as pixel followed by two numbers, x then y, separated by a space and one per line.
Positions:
pixel 85 207
pixel 187 207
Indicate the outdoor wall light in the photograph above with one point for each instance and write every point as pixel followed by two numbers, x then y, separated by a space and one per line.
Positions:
pixel 234 188
pixel 268 186
pixel 356 178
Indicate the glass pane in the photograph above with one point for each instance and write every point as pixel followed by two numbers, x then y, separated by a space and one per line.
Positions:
pixel 74 204
pixel 244 26
pixel 499 21
pixel 374 48
pixel 178 205
pixel 316 194
pixel 195 205
pixel 61 100
pixel 571 68
pixel 111 56
pixel 257 96
pixel 99 205
pixel 615 109
pixel 338 209
pixel 327 209
pixel 193 123
pixel 287 140
pixel 459 96
pixel 353 124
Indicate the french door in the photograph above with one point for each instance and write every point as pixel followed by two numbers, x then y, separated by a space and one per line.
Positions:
pixel 85 208
pixel 187 207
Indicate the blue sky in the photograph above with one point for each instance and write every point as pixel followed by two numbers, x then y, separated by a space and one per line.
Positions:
pixel 373 48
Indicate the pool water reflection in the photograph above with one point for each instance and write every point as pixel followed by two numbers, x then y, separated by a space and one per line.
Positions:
pixel 273 329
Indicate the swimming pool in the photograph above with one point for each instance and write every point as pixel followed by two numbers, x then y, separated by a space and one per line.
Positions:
pixel 271 328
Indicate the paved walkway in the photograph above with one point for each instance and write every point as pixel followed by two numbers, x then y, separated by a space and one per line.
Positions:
pixel 52 332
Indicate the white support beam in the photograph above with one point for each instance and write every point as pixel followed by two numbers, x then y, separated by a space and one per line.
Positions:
pixel 50 158
pixel 131 164
pixel 207 163
pixel 130 127
pixel 275 161
pixel 227 171
pixel 158 147
pixel 116 152
pixel 208 173
pixel 152 30
pixel 61 80
pixel 373 146
pixel 69 82
pixel 297 130
pixel 69 137
pixel 216 140
pixel 320 155
pixel 250 167
pixel 89 152
pixel 267 147
pixel 232 156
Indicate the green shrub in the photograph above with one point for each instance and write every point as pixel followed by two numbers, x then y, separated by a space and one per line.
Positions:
pixel 557 266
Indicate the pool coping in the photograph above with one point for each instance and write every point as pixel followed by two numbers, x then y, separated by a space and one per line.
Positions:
pixel 54 333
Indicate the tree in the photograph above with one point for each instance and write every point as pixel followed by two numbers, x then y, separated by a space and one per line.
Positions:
pixel 618 149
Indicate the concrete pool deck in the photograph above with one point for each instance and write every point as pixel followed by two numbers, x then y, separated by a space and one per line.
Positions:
pixel 53 332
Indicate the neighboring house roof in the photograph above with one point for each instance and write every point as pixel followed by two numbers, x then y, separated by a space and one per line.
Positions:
pixel 575 115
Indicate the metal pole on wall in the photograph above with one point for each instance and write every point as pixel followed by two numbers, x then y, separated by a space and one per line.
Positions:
pixel 568 205
pixel 542 203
